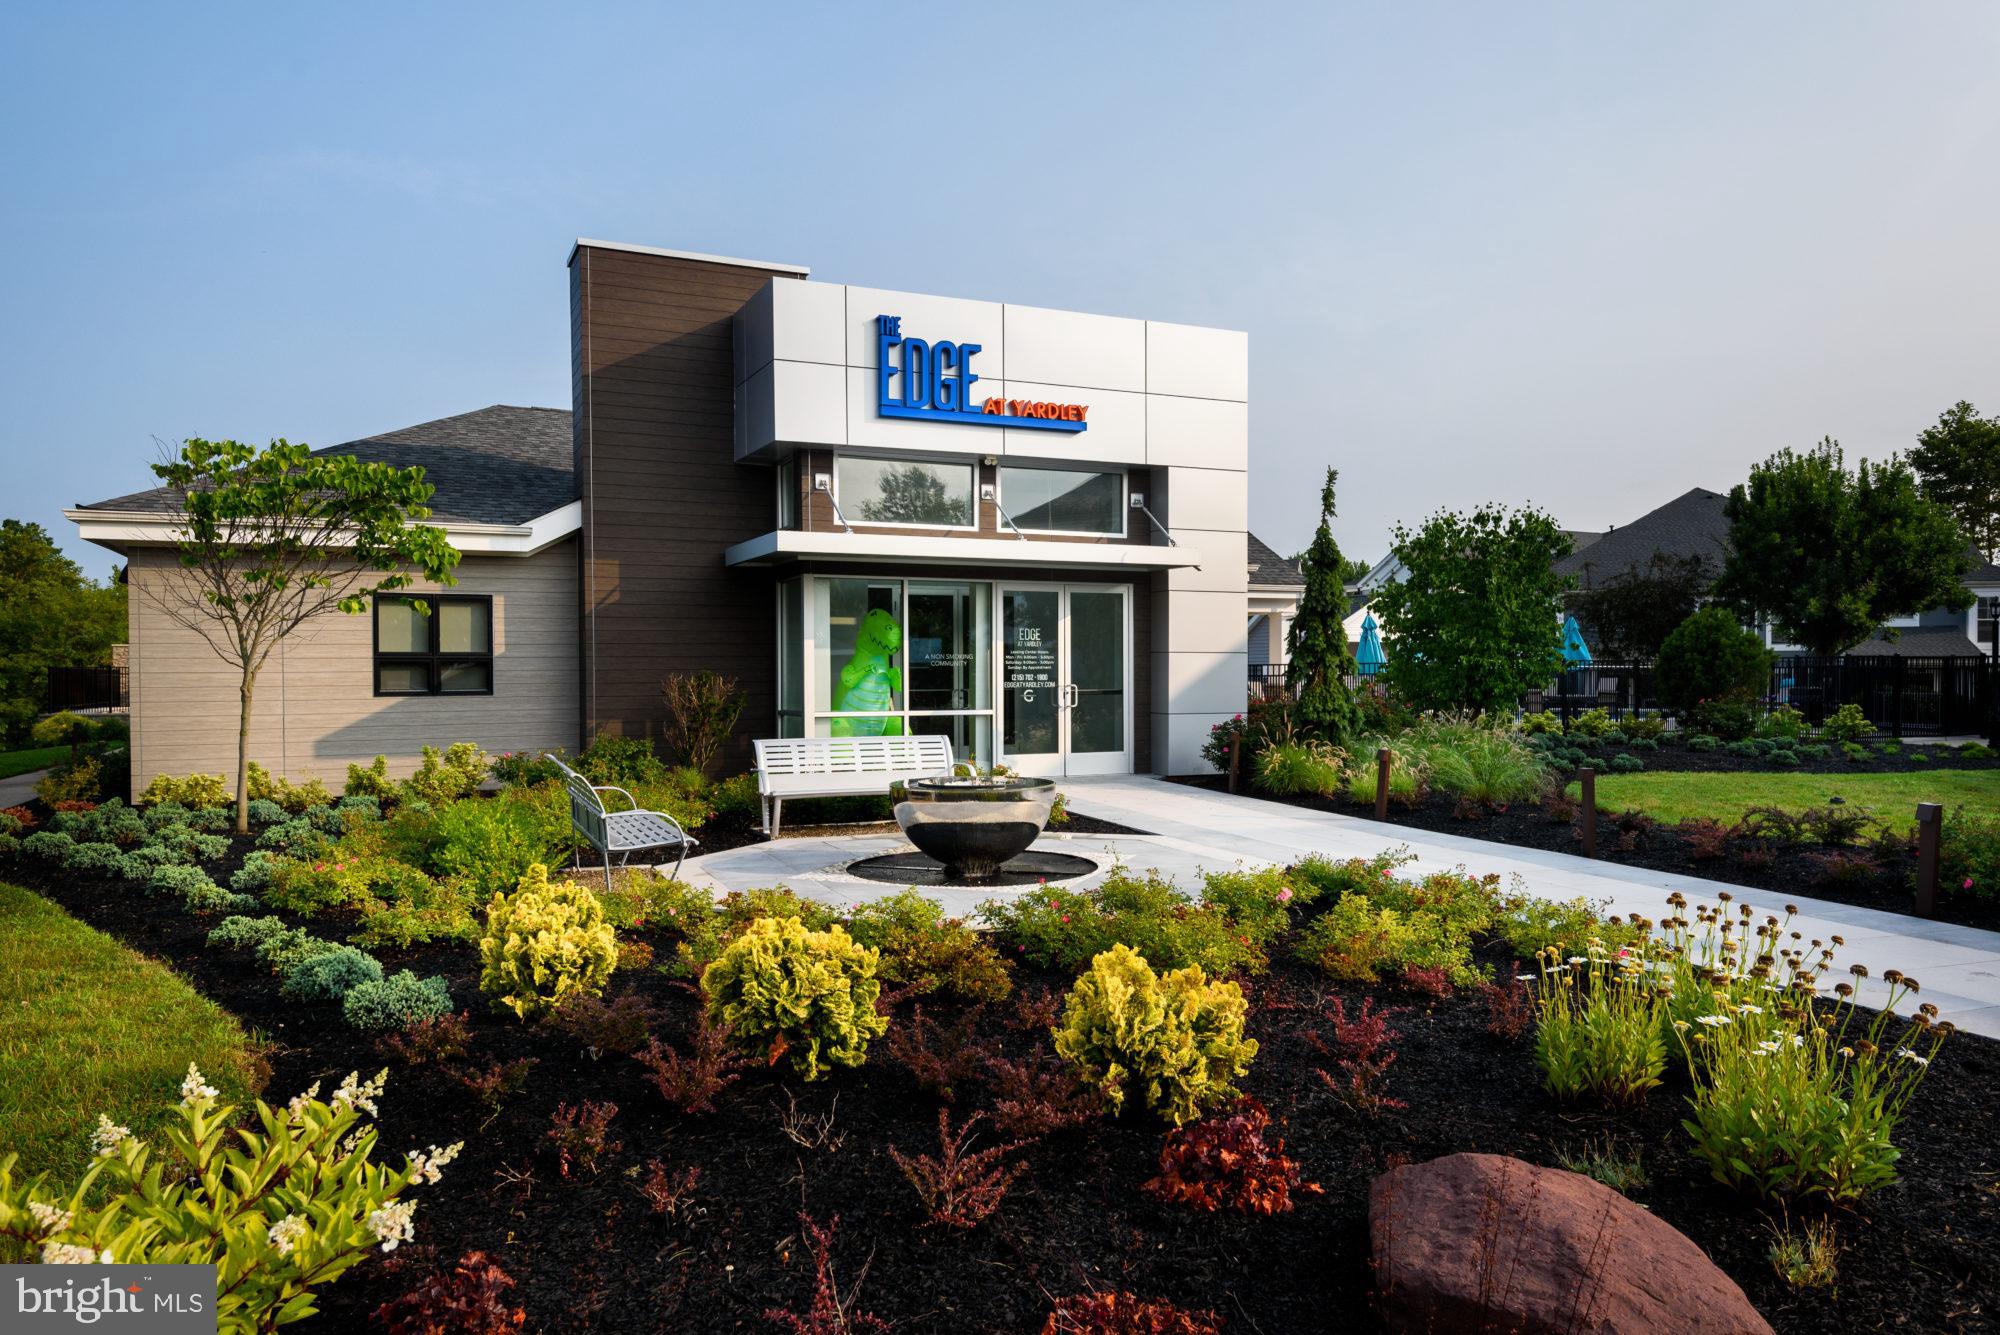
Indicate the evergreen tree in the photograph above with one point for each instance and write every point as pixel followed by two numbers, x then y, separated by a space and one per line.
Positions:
pixel 1317 646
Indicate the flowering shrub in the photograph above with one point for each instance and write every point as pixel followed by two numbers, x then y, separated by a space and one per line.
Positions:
pixel 1599 1030
pixel 396 1002
pixel 1969 854
pixel 961 1186
pixel 1258 904
pixel 1223 1162
pixel 1807 1108
pixel 1534 925
pixel 779 987
pixel 1363 1053
pixel 195 790
pixel 1355 941
pixel 690 1081
pixel 544 942
pixel 470 1299
pixel 925 953
pixel 1126 1314
pixel 280 1212
pixel 1175 1038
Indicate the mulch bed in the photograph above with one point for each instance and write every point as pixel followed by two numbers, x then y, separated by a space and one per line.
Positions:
pixel 721 836
pixel 588 1255
pixel 1773 865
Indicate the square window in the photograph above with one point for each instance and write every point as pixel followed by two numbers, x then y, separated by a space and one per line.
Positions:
pixel 442 648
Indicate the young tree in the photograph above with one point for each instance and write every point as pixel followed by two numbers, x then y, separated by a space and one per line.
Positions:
pixel 51 615
pixel 1476 620
pixel 1958 465
pixel 1828 555
pixel 271 538
pixel 1631 614
pixel 1710 656
pixel 1317 644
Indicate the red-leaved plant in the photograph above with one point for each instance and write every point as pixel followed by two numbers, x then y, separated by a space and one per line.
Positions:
pixel 581 1135
pixel 941 1060
pixel 690 1081
pixel 1223 1162
pixel 1125 1314
pixel 1363 1055
pixel 832 1312
pixel 1037 1098
pixel 961 1186
pixel 668 1193
pixel 429 1040
pixel 1428 982
pixel 1508 1010
pixel 599 1026
pixel 468 1300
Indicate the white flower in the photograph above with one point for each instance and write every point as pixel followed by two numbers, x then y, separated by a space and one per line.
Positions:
pixel 1798 1040
pixel 49 1218
pixel 362 1096
pixel 1768 1045
pixel 296 1108
pixel 1753 1010
pixel 392 1223
pixel 287 1233
pixel 193 1088
pixel 424 1167
pixel 1525 978
pixel 1577 959
pixel 107 1136
pixel 1907 1055
pixel 1712 1021
pixel 69 1253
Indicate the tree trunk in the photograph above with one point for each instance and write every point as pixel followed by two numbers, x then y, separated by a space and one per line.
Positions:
pixel 243 753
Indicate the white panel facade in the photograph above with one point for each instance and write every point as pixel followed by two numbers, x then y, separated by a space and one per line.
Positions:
pixel 809 321
pixel 869 430
pixel 1117 426
pixel 929 318
pixel 808 402
pixel 1197 433
pixel 1208 498
pixel 1197 362
pixel 1071 348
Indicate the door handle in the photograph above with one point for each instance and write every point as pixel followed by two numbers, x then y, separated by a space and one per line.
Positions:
pixel 1070 695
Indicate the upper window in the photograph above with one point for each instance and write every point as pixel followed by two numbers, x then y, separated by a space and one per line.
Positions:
pixel 1064 500
pixel 926 493
pixel 1989 619
pixel 447 651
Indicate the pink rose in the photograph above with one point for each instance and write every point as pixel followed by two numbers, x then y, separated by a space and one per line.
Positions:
pixel 1285 895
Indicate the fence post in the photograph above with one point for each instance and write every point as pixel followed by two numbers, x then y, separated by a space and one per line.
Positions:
pixel 1930 824
pixel 1586 810
pixel 1382 760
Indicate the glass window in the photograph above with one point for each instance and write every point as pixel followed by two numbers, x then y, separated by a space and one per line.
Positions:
pixel 950 638
pixel 904 491
pixel 1064 500
pixel 447 650
pixel 1989 619
pixel 858 654
pixel 788 493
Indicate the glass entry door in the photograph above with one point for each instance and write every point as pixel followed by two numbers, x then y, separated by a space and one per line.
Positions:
pixel 1066 678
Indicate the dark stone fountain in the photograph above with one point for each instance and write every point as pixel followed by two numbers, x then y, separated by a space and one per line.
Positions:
pixel 973 831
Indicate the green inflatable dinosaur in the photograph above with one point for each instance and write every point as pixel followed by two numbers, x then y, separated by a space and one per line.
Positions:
pixel 871 680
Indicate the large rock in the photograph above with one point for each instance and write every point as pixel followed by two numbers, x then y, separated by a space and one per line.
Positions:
pixel 1476 1242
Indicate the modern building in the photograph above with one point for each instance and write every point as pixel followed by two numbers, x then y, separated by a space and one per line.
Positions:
pixel 879 512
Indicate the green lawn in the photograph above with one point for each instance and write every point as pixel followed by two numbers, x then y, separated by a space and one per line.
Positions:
pixel 22 762
pixel 89 1027
pixel 1893 798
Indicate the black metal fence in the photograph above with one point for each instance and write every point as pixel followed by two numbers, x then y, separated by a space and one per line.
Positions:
pixel 83 688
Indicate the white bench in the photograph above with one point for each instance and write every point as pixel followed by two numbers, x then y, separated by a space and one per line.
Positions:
pixel 842 767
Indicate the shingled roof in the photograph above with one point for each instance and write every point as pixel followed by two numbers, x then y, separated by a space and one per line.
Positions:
pixel 1691 524
pixel 1269 568
pixel 1921 642
pixel 498 465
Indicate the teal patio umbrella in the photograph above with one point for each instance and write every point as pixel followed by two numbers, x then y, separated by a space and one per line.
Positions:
pixel 1369 656
pixel 1575 652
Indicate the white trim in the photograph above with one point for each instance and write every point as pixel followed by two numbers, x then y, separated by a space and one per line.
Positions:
pixel 135 528
pixel 797 543
pixel 582 241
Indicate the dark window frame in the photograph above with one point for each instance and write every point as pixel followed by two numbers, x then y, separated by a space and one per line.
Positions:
pixel 434 659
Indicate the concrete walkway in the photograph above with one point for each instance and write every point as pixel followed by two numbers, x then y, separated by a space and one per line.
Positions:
pixel 20 789
pixel 1195 829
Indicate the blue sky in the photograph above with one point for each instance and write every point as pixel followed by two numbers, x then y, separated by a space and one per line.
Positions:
pixel 1582 255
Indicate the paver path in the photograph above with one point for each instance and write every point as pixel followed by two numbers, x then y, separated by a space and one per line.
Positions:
pixel 1195 829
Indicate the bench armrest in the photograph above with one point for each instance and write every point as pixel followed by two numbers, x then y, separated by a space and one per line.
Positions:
pixel 631 803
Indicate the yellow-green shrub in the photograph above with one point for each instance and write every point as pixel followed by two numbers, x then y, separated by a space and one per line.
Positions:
pixel 1177 1038
pixel 293 797
pixel 543 943
pixel 371 781
pixel 193 792
pixel 779 987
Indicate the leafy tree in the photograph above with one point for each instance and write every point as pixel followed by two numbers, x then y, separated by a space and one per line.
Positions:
pixel 51 615
pixel 1828 554
pixel 271 538
pixel 1631 614
pixel 1710 656
pixel 1319 661
pixel 1476 619
pixel 1958 465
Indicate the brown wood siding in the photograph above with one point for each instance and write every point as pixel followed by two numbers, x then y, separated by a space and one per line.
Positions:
pixel 662 494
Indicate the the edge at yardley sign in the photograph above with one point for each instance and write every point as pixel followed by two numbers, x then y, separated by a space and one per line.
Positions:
pixel 932 382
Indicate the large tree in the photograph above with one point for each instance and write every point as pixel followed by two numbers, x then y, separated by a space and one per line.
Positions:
pixel 271 538
pixel 1316 647
pixel 1475 621
pixel 1958 466
pixel 1631 614
pixel 1827 554
pixel 51 615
